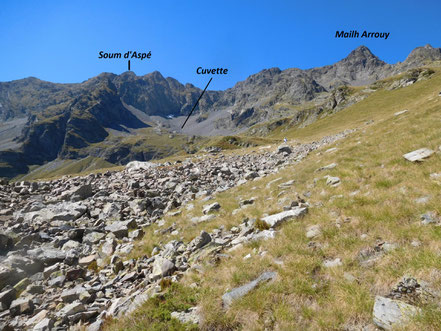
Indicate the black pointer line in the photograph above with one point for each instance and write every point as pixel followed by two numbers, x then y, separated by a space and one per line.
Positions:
pixel 129 65
pixel 197 102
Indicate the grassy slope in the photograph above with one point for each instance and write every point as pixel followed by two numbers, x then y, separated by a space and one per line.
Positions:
pixel 377 199
pixel 60 168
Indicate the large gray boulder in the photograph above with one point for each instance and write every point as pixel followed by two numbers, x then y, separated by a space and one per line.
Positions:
pixel 161 267
pixel 389 313
pixel 119 229
pixel 63 211
pixel 6 243
pixel 78 193
pixel 6 298
pixel 93 237
pixel 284 149
pixel 200 241
pixel 47 255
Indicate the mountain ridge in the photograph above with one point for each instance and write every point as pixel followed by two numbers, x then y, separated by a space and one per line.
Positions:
pixel 64 119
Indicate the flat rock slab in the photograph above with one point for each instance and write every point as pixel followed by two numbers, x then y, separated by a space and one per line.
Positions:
pixel 418 155
pixel 398 113
pixel 389 313
pixel 276 219
pixel 64 211
pixel 138 165
pixel 239 292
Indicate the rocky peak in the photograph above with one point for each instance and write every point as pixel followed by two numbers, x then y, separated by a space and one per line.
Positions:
pixel 361 56
pixel 420 55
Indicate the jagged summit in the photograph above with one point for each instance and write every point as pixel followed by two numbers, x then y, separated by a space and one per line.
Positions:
pixel 421 55
pixel 61 119
pixel 361 51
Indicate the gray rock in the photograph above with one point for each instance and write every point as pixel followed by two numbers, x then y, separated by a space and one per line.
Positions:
pixel 284 149
pixel 71 295
pixel 332 181
pixel 139 166
pixel 428 218
pixel 71 309
pixel 6 298
pixel 96 326
pixel 78 193
pixel 287 184
pixel 47 255
pixel 6 243
pixel 265 234
pixel 8 276
pixel 44 325
pixel 313 231
pixel 57 281
pixel 200 241
pixel 109 246
pixel 239 292
pixel 418 155
pixel 277 219
pixel 398 113
pixel 251 175
pixel 389 313
pixel 119 229
pixel 161 267
pixel 24 263
pixel 211 207
pixel 246 202
pixel 37 318
pixel 327 167
pixel 93 238
pixel 21 306
pixel 137 234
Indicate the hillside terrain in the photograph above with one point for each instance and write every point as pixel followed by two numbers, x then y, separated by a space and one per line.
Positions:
pixel 338 228
pixel 110 116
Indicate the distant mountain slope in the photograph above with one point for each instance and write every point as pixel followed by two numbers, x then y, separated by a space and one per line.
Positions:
pixel 64 120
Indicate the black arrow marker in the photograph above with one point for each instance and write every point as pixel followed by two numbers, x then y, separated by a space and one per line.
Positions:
pixel 197 102
pixel 128 64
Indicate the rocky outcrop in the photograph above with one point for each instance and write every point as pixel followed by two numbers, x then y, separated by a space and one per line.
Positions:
pixel 67 264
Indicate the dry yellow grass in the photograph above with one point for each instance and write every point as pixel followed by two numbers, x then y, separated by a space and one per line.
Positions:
pixel 376 201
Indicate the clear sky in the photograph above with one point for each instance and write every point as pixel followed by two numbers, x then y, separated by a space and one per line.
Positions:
pixel 59 41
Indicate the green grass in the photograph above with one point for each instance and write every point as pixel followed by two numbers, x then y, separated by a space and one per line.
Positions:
pixel 59 168
pixel 159 308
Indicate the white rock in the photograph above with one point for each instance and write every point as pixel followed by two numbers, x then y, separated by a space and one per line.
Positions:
pixel 418 155
pixel 211 207
pixel 398 113
pixel 332 263
pixel 137 165
pixel 276 219
pixel 333 181
pixel 390 313
pixel 313 231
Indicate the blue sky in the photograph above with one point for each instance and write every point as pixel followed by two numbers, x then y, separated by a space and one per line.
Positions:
pixel 60 40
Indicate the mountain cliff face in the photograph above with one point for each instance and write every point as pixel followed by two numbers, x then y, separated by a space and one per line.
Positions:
pixel 253 100
pixel 360 67
pixel 64 119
